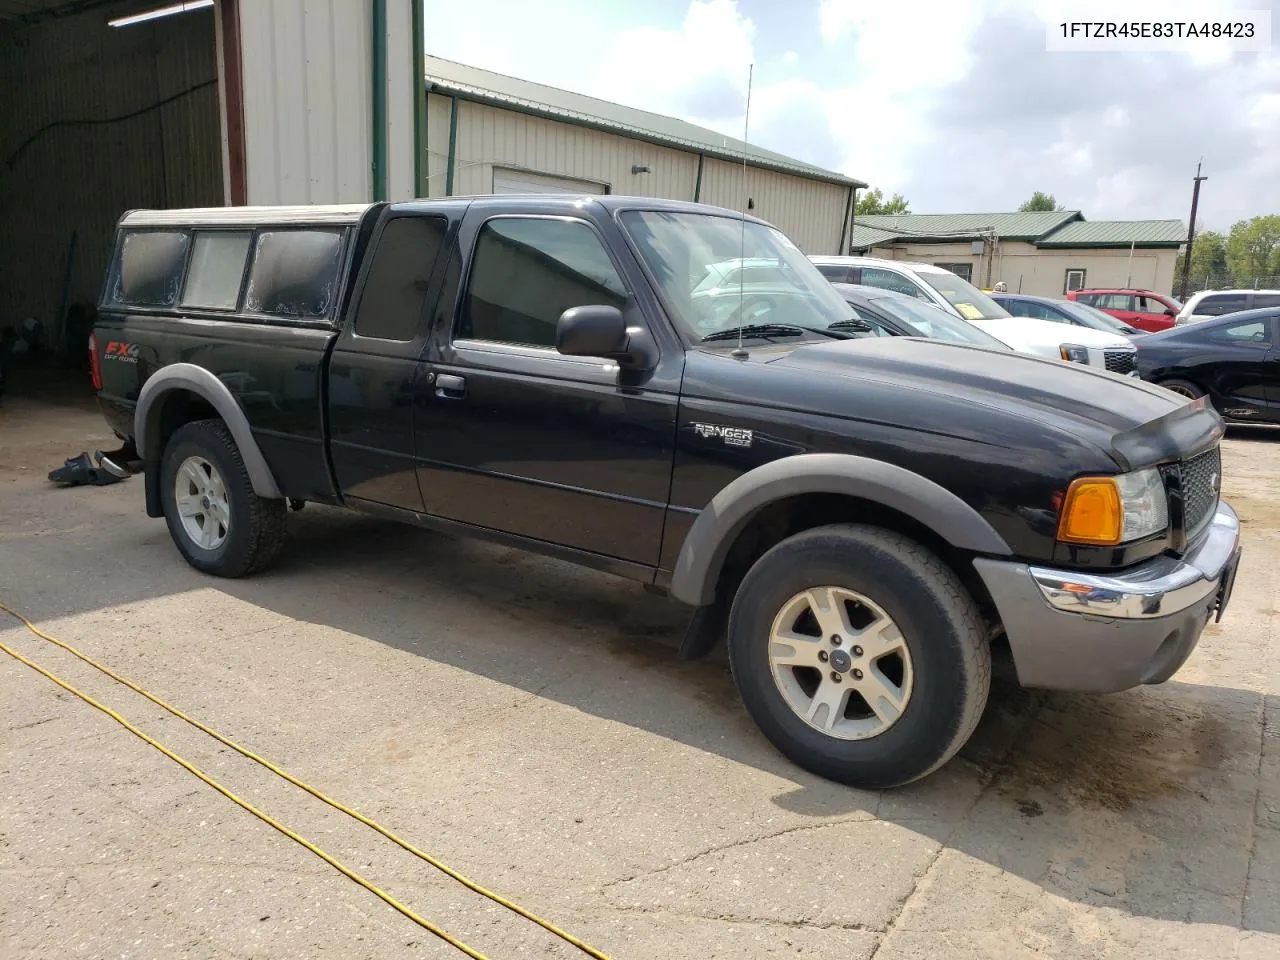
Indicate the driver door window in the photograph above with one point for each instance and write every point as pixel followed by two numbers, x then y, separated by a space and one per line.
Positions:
pixel 527 271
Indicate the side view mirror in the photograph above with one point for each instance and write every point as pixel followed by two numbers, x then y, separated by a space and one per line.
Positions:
pixel 1170 312
pixel 601 331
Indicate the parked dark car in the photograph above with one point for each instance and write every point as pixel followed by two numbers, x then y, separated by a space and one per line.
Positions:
pixel 857 518
pixel 1063 311
pixel 1233 360
pixel 887 313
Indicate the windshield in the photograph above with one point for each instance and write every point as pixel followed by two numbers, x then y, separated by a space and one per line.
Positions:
pixel 781 286
pixel 1093 317
pixel 972 303
pixel 930 321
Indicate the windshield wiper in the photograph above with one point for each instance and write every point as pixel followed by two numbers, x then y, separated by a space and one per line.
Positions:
pixel 770 330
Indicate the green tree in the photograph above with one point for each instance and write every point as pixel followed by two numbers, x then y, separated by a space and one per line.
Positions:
pixel 1208 255
pixel 1253 247
pixel 1041 202
pixel 872 203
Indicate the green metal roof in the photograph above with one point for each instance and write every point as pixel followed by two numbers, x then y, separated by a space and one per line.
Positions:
pixel 1118 233
pixel 495 89
pixel 965 226
pixel 863 236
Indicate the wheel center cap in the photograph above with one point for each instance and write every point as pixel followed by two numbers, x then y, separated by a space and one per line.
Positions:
pixel 841 661
pixel 204 502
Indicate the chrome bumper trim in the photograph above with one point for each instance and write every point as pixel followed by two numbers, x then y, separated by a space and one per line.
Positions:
pixel 1156 588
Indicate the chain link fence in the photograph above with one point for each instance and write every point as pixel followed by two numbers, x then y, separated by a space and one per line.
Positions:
pixel 1227 281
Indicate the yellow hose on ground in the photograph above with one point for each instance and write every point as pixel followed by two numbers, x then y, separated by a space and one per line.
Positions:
pixel 264 817
pixel 285 775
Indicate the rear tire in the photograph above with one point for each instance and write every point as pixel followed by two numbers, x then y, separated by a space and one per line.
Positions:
pixel 218 523
pixel 886 721
pixel 1183 388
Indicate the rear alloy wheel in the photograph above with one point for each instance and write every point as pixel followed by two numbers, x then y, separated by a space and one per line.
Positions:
pixel 217 521
pixel 860 655
pixel 1183 388
pixel 200 495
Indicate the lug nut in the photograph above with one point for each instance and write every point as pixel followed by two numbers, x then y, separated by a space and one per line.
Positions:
pixel 835 640
pixel 822 655
pixel 857 651
pixel 835 677
pixel 857 674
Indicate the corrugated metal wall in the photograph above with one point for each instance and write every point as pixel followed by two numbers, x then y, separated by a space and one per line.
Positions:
pixel 77 178
pixel 810 212
pixel 489 137
pixel 308 83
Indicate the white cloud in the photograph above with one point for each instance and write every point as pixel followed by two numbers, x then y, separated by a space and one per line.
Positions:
pixel 660 66
pixel 958 104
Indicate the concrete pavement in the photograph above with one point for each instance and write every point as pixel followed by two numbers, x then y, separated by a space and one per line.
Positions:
pixel 525 721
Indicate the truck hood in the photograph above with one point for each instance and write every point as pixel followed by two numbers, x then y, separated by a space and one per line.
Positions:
pixel 1135 422
pixel 1045 336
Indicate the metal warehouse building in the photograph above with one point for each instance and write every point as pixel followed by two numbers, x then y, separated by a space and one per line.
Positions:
pixel 119 104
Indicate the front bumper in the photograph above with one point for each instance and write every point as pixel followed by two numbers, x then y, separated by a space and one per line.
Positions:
pixel 1077 631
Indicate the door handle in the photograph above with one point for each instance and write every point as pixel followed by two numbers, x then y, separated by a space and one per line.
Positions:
pixel 449 385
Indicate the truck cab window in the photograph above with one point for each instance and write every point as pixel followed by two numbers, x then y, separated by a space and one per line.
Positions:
pixel 295 273
pixel 526 271
pixel 396 289
pixel 217 268
pixel 150 268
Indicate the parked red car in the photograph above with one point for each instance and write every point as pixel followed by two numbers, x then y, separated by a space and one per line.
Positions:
pixel 1144 309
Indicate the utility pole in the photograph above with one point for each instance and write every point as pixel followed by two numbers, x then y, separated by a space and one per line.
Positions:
pixel 1191 233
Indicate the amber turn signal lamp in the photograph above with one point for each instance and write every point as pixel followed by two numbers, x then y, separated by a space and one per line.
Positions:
pixel 1092 513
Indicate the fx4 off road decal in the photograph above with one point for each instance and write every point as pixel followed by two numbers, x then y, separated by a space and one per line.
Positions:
pixel 119 350
pixel 732 436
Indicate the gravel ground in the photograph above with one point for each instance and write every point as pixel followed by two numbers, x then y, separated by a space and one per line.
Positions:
pixel 525 721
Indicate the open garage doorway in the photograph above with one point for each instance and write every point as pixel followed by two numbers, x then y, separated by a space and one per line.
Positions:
pixel 109 106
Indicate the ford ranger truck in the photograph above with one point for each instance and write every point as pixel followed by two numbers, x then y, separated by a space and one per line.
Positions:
pixel 859 519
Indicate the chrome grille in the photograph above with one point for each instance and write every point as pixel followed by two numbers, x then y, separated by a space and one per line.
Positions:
pixel 1201 482
pixel 1120 361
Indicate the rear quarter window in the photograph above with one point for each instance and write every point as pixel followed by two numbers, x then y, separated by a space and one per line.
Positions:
pixel 294 273
pixel 148 271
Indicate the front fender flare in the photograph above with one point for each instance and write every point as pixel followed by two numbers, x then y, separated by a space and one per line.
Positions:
pixel 198 380
pixel 707 544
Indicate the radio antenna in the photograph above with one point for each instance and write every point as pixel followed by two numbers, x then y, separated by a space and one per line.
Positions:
pixel 742 243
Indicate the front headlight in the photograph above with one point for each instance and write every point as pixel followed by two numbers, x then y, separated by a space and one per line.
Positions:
pixel 1105 511
pixel 1074 353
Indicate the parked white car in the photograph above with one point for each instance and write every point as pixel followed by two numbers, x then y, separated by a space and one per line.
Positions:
pixel 1216 303
pixel 944 289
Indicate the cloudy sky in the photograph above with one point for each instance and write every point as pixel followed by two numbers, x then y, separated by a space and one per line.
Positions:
pixel 956 104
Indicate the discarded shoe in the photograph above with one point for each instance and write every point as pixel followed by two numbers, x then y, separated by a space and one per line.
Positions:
pixel 79 471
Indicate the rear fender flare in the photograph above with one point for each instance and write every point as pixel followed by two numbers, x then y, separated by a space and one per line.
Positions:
pixel 198 380
pixel 708 542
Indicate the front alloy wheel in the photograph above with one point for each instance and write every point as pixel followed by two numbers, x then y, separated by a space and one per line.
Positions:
pixel 840 663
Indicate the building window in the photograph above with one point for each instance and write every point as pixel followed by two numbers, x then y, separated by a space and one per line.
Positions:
pixel 528 271
pixel 962 270
pixel 1073 281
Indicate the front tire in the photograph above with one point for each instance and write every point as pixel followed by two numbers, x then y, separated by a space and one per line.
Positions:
pixel 1183 388
pixel 859 654
pixel 219 525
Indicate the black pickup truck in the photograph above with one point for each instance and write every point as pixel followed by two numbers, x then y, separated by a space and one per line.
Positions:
pixel 672 393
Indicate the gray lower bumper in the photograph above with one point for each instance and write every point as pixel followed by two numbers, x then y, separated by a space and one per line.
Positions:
pixel 1075 631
